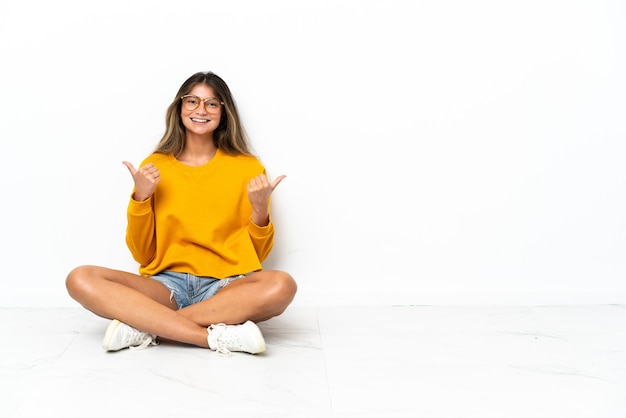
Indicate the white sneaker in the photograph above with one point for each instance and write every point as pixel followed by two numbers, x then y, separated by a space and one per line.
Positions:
pixel 246 337
pixel 119 336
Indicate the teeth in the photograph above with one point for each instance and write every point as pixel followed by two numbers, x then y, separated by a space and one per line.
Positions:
pixel 200 120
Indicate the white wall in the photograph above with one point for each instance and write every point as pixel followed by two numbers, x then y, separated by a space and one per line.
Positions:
pixel 437 152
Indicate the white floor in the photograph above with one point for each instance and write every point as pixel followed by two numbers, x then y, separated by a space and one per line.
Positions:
pixel 502 362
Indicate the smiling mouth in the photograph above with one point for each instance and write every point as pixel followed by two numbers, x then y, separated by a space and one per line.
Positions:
pixel 200 120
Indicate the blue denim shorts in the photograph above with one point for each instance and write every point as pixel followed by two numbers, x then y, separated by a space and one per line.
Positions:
pixel 187 289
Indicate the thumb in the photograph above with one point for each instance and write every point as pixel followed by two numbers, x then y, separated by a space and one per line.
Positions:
pixel 130 167
pixel 276 181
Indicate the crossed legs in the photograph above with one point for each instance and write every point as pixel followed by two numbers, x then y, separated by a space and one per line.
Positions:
pixel 145 304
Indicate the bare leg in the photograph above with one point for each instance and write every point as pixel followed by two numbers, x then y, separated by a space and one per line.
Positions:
pixel 145 304
pixel 140 302
pixel 257 297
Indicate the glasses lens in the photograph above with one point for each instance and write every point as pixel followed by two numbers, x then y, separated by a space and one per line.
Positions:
pixel 212 104
pixel 191 102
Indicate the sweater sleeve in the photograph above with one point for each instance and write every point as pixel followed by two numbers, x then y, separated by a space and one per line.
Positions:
pixel 262 238
pixel 140 231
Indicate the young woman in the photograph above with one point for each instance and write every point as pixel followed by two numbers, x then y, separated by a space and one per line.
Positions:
pixel 199 226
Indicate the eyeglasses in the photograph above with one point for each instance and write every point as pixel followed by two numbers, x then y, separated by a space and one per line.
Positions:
pixel 191 102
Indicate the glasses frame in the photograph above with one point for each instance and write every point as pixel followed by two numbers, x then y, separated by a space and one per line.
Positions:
pixel 204 101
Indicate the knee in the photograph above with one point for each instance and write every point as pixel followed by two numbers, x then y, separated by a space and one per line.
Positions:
pixel 284 286
pixel 78 281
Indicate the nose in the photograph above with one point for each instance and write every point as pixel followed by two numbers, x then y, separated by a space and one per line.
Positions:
pixel 201 108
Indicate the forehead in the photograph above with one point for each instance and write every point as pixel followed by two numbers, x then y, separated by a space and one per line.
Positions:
pixel 202 91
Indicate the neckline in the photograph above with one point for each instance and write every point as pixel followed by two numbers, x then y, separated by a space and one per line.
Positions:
pixel 195 167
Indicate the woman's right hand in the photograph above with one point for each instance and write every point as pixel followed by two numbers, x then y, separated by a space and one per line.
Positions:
pixel 146 180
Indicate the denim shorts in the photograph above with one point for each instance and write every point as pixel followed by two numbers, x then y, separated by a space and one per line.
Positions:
pixel 187 289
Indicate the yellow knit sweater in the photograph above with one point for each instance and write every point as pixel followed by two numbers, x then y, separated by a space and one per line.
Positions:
pixel 198 219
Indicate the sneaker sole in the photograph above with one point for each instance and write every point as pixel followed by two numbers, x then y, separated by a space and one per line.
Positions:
pixel 106 343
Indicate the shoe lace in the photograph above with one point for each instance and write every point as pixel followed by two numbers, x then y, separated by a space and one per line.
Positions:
pixel 148 339
pixel 223 339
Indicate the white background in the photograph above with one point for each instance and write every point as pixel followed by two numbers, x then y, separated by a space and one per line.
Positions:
pixel 436 152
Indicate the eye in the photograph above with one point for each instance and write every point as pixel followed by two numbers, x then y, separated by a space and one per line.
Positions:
pixel 191 101
pixel 213 104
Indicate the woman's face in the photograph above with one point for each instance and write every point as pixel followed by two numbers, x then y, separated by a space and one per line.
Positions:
pixel 205 118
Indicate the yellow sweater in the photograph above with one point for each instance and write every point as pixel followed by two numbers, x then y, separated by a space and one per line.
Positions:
pixel 198 220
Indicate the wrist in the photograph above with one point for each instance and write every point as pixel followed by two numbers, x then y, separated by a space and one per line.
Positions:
pixel 139 198
pixel 260 219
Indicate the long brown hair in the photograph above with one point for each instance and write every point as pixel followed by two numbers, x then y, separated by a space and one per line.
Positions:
pixel 229 137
